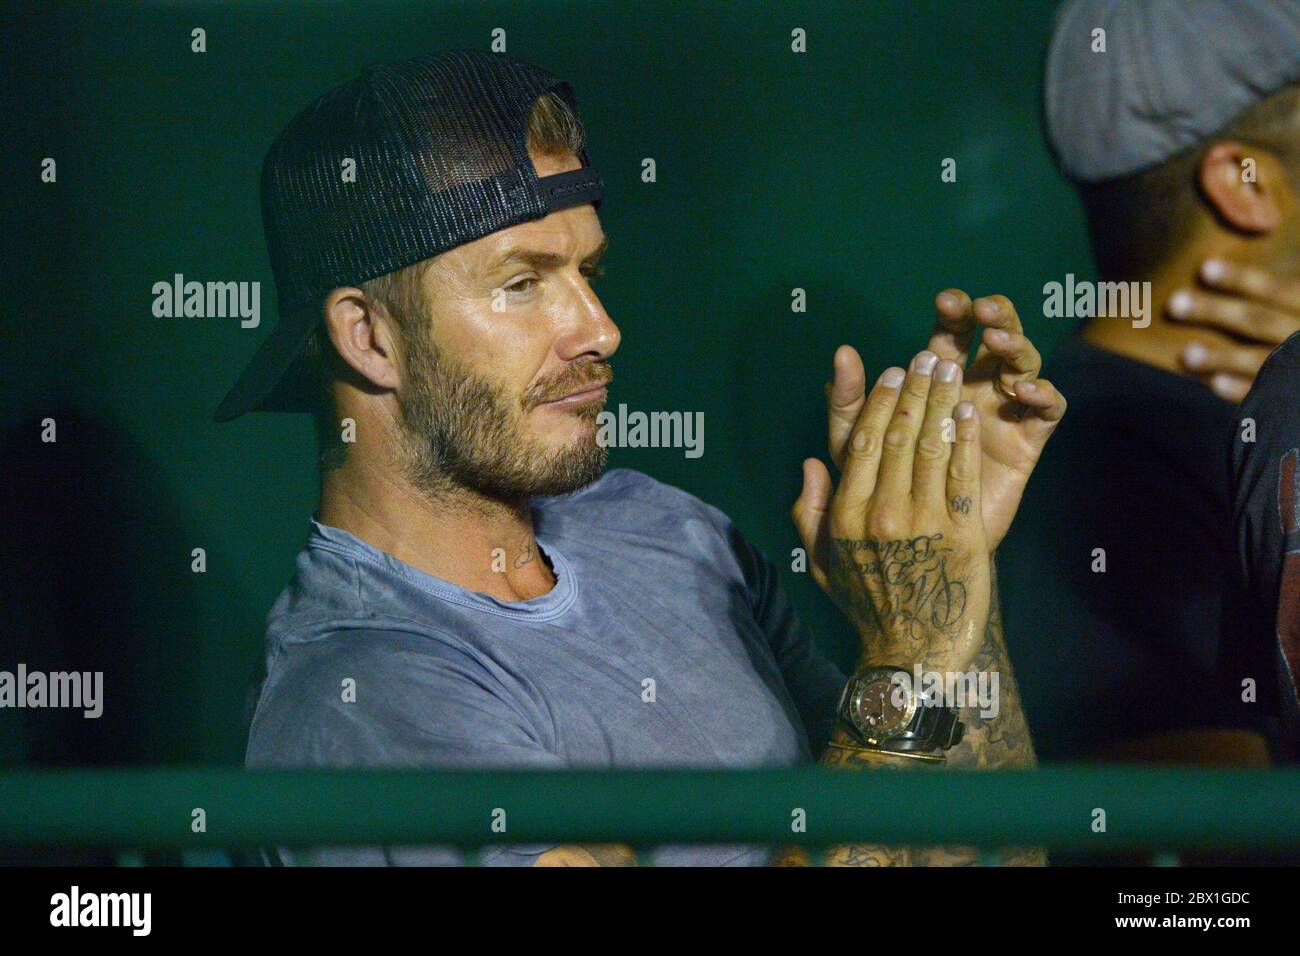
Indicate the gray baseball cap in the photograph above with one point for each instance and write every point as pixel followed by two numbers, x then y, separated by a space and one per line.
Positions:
pixel 1173 73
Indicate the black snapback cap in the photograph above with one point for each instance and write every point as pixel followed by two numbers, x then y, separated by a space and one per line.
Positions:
pixel 404 162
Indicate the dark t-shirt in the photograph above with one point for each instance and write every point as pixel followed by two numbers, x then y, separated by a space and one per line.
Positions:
pixel 1136 470
pixel 1262 616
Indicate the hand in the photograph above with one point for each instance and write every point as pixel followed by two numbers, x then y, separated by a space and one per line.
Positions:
pixel 590 854
pixel 1019 410
pixel 1259 308
pixel 907 556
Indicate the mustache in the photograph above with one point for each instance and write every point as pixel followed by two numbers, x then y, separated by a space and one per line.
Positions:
pixel 574 378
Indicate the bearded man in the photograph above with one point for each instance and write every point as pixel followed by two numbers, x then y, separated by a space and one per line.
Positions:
pixel 474 592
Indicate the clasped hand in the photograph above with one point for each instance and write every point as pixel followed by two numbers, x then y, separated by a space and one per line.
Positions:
pixel 933 466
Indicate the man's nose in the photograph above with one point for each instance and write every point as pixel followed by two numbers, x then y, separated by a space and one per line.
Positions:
pixel 590 331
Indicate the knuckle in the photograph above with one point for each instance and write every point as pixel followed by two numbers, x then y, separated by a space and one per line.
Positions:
pixel 918 386
pixel 884 525
pixel 865 443
pixel 931 447
pixel 898 436
pixel 962 471
pixel 880 404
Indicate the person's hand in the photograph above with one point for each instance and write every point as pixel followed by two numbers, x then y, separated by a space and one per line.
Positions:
pixel 907 556
pixel 1018 409
pixel 1260 309
pixel 605 854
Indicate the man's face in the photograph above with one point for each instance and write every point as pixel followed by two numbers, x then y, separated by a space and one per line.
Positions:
pixel 504 375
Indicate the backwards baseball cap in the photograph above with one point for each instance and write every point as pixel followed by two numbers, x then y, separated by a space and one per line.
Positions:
pixel 398 165
pixel 1173 73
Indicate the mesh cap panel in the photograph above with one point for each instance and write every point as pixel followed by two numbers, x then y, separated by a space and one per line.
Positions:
pixel 435 150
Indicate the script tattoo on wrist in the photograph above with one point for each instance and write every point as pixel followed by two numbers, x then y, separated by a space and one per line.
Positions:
pixel 904 589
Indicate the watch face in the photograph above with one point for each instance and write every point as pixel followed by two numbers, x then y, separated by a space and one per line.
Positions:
pixel 882 707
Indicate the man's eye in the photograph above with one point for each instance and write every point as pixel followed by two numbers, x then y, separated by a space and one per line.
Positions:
pixel 594 272
pixel 522 287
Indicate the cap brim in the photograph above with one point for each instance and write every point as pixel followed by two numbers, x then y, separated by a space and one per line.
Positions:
pixel 277 378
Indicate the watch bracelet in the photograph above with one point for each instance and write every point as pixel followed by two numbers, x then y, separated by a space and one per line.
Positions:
pixel 881 752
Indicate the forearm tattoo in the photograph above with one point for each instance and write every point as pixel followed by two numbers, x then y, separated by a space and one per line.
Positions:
pixel 991 743
pixel 999 742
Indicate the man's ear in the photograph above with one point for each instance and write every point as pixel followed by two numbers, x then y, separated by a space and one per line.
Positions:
pixel 1246 187
pixel 362 336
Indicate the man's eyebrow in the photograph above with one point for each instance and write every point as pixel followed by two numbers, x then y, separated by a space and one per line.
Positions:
pixel 544 260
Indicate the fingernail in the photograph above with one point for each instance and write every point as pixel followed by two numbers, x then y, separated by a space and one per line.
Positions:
pixel 1027 386
pixel 947 300
pixel 892 377
pixel 991 306
pixel 946 371
pixel 964 410
pixel 1212 270
pixel 924 362
pixel 997 336
pixel 1180 303
pixel 1195 354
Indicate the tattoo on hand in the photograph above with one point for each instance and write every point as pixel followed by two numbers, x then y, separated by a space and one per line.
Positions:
pixel 961 504
pixel 903 588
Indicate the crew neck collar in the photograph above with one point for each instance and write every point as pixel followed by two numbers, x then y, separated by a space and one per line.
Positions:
pixel 544 607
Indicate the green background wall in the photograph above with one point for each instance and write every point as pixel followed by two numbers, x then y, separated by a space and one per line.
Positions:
pixel 775 171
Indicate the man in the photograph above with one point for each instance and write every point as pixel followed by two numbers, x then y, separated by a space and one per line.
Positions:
pixel 1262 619
pixel 1179 123
pixel 474 593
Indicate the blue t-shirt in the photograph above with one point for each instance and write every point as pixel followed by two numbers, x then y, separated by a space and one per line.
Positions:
pixel 651 585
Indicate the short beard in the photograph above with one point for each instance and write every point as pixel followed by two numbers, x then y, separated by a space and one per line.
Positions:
pixel 460 431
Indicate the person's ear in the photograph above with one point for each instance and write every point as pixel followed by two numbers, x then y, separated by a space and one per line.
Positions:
pixel 362 336
pixel 1246 187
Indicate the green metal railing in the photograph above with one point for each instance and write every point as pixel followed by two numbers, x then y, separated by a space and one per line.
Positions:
pixel 1054 807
